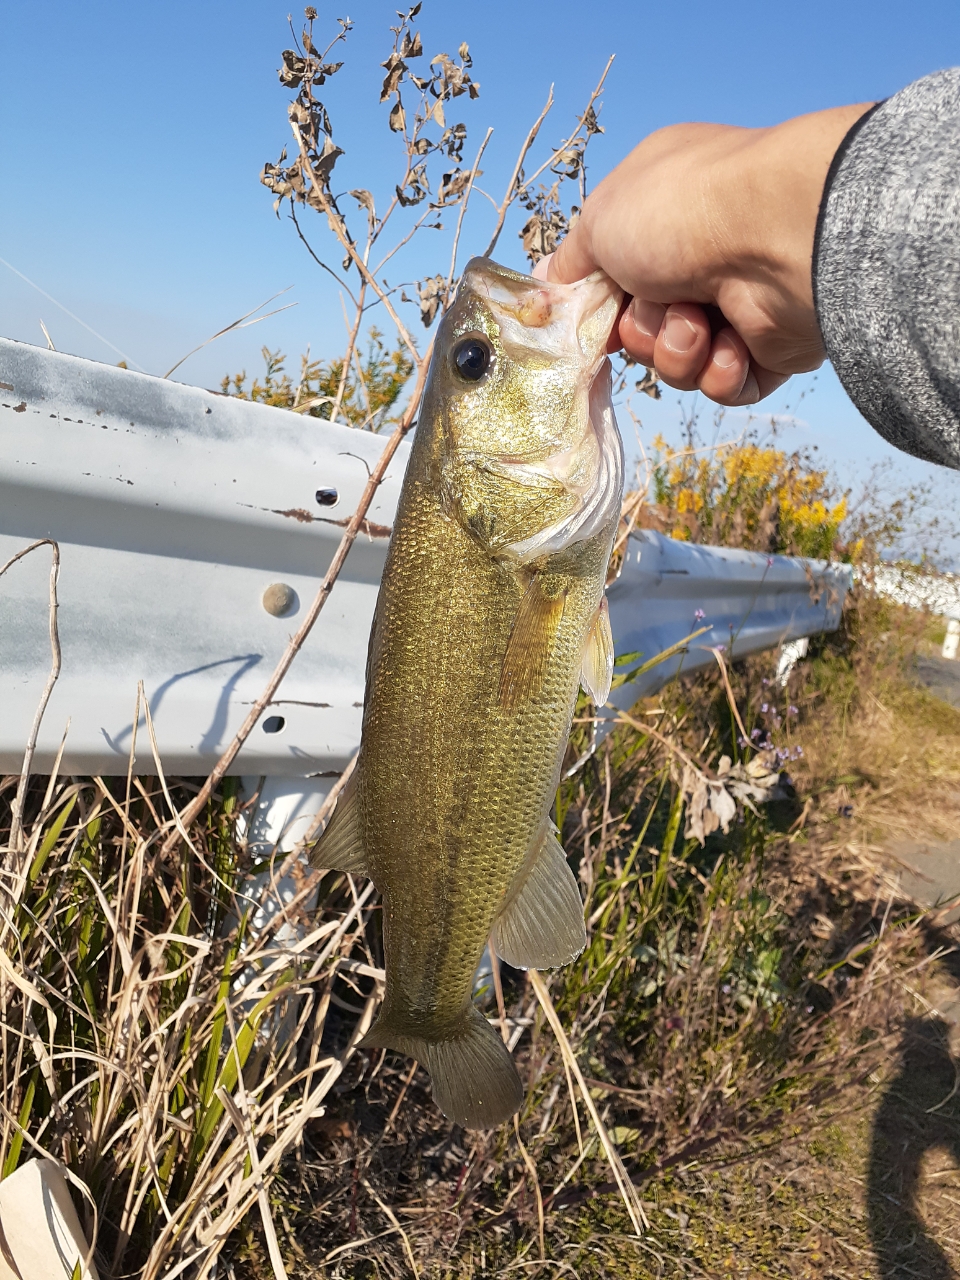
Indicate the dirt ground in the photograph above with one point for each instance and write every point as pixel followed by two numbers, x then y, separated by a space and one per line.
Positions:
pixel 873 1195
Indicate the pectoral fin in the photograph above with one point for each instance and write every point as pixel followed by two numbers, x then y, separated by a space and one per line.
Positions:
pixel 530 644
pixel 542 922
pixel 596 666
pixel 340 847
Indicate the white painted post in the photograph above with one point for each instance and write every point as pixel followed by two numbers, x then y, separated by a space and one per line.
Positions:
pixel 951 640
pixel 40 1233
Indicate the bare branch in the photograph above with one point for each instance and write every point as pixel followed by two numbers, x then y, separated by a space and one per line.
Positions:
pixel 528 182
pixel 336 223
pixel 319 261
pixel 196 805
pixel 513 190
pixel 16 820
pixel 464 200
pixel 427 213
pixel 241 323
pixel 348 357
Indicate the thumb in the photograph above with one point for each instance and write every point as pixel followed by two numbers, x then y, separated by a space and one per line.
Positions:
pixel 573 259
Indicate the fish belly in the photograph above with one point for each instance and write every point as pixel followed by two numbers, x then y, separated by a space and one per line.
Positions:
pixel 453 789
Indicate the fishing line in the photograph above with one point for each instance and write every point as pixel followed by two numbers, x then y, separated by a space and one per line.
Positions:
pixel 71 315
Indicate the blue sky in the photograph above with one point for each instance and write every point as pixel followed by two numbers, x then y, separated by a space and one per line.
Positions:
pixel 132 137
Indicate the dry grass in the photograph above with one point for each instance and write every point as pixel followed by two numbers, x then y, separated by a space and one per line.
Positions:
pixel 154 1038
pixel 884 763
pixel 189 1052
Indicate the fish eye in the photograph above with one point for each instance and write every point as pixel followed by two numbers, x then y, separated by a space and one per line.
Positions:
pixel 472 356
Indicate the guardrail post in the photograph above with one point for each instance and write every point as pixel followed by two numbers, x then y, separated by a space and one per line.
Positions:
pixel 951 640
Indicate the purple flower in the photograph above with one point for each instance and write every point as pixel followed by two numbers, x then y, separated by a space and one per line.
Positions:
pixel 754 733
pixel 792 711
pixel 769 561
pixel 699 616
pixel 721 648
pixel 764 707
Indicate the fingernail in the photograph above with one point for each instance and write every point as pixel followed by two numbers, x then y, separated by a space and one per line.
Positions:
pixel 725 352
pixel 751 390
pixel 679 335
pixel 647 316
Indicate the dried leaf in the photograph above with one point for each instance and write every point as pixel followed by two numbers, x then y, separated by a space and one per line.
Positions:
pixel 398 119
pixel 452 187
pixel 293 70
pixel 694 788
pixel 723 806
pixel 433 294
pixel 411 46
pixel 649 385
pixel 712 803
pixel 589 122
pixel 417 188
pixel 395 67
pixel 324 162
pixel 453 140
pixel 364 199
pixel 437 113
pixel 568 160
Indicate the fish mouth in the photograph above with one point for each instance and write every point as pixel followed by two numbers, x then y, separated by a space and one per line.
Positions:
pixel 561 320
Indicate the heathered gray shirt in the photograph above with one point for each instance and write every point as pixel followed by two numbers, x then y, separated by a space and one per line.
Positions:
pixel 886 267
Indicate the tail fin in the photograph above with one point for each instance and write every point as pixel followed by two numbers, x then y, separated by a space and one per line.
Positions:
pixel 474 1080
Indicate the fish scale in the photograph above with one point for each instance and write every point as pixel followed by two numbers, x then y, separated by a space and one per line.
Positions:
pixel 473 670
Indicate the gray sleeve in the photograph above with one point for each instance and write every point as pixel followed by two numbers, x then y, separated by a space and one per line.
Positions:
pixel 886 267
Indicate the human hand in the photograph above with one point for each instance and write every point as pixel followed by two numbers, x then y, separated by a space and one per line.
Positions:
pixel 709 230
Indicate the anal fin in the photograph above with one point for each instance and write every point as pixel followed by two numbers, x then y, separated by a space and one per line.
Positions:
pixel 596 665
pixel 340 847
pixel 541 924
pixel 530 644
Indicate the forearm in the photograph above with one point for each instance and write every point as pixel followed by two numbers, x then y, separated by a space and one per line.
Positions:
pixel 887 268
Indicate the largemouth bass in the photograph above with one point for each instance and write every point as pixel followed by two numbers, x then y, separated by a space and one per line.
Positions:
pixel 490 614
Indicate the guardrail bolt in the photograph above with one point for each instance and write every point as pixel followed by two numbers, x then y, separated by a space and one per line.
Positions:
pixel 280 599
pixel 328 497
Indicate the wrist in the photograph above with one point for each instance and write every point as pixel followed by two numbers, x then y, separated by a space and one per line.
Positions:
pixel 766 191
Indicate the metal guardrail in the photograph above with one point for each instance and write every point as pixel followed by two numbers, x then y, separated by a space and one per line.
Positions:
pixel 191 540
pixel 749 602
pixel 176 509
